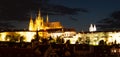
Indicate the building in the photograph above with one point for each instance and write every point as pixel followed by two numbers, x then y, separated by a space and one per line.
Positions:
pixel 47 29
pixel 44 27
pixel 94 38
pixel 39 24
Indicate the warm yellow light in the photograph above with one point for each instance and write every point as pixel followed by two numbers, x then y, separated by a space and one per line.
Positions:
pixel 31 25
pixel 55 35
pixel 28 35
pixel 72 39
pixel 115 36
pixel 3 35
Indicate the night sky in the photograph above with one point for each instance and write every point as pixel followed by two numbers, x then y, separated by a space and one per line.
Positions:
pixel 78 14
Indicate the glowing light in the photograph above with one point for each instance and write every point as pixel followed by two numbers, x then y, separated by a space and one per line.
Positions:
pixel 28 35
pixel 72 39
pixel 115 36
pixel 3 35
pixel 31 26
pixel 92 28
pixel 113 51
pixel 55 35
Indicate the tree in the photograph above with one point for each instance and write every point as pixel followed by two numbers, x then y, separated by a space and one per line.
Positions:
pixel 58 40
pixel 101 42
pixel 87 41
pixel 22 39
pixel 13 37
pixel 67 42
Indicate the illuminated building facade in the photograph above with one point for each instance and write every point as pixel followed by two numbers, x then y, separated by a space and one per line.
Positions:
pixel 39 24
pixel 45 29
pixel 109 37
pixel 48 29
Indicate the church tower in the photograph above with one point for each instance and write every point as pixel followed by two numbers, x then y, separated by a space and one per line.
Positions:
pixel 47 19
pixel 39 22
pixel 31 24
pixel 92 28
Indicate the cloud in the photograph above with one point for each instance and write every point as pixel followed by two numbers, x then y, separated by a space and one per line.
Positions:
pixel 18 9
pixel 62 10
pixel 6 26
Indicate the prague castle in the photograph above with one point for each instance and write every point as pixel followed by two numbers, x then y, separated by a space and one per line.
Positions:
pixel 46 29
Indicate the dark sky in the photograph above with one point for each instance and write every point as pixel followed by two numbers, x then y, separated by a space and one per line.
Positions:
pixel 78 14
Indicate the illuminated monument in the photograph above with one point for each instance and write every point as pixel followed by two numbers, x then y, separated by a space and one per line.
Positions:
pixel 44 26
pixel 46 29
pixel 39 24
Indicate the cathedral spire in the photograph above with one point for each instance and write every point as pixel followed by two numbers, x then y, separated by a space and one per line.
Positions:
pixel 91 28
pixel 94 27
pixel 47 19
pixel 31 23
pixel 39 13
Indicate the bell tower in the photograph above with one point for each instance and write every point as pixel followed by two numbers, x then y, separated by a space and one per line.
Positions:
pixel 92 28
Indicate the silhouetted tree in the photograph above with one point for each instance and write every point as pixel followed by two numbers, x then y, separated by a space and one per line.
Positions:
pixel 22 39
pixel 77 42
pixel 101 42
pixel 63 40
pixel 13 37
pixel 45 41
pixel 58 40
pixel 51 40
pixel 8 37
pixel 87 40
pixel 68 42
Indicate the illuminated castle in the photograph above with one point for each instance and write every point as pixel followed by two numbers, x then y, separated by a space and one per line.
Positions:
pixel 55 30
pixel 39 24
pixel 47 29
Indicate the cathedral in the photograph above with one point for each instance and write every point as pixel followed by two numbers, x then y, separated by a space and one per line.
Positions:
pixel 39 24
pixel 46 28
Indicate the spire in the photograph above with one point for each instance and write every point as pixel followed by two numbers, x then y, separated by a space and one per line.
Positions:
pixel 91 28
pixel 47 19
pixel 94 27
pixel 31 23
pixel 39 14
